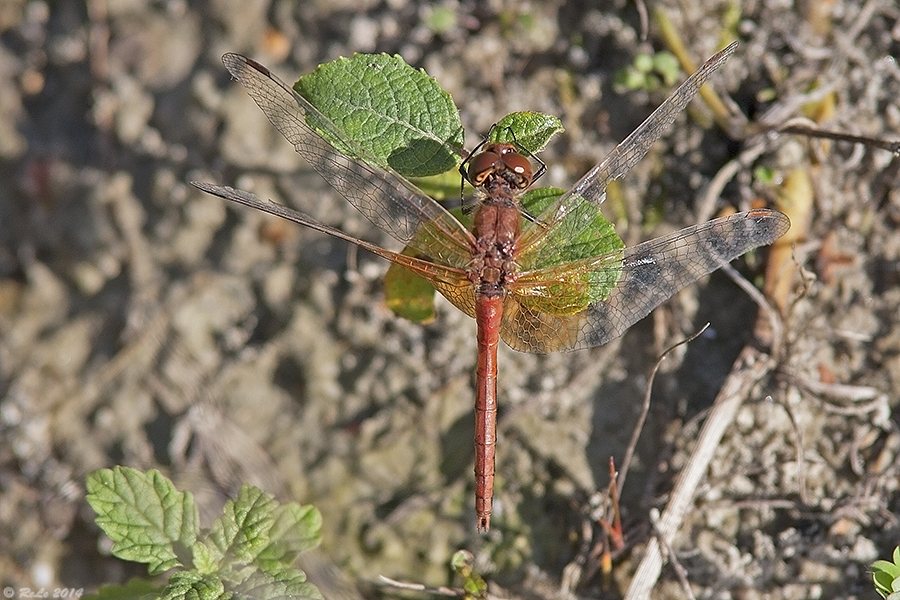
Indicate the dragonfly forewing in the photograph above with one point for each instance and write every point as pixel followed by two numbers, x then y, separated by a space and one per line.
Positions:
pixel 592 186
pixel 444 277
pixel 387 199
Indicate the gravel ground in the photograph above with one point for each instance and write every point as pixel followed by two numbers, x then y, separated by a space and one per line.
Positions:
pixel 145 323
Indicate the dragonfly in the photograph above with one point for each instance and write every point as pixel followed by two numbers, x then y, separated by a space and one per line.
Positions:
pixel 508 270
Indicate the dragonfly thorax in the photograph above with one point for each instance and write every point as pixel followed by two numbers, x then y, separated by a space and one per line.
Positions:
pixel 496 231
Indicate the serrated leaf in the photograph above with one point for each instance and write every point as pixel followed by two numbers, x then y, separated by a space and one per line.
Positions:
pixel 148 520
pixel 397 113
pixel 190 585
pixel 135 589
pixel 530 130
pixel 206 559
pixel 296 529
pixel 242 531
pixel 287 583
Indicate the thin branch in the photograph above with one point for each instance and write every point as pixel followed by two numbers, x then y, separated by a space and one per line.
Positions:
pixel 632 445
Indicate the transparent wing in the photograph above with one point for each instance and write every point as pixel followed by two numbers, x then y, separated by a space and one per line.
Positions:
pixel 649 274
pixel 444 277
pixel 564 213
pixel 386 198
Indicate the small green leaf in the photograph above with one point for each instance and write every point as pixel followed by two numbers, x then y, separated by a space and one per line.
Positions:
pixel 643 63
pixel 764 174
pixel 474 585
pixel 190 585
pixel 398 114
pixel 667 66
pixel 883 582
pixel 440 19
pixel 296 529
pixel 629 79
pixel 648 72
pixel 892 569
pixel 886 575
pixel 441 186
pixel 242 532
pixel 461 560
pixel 288 583
pixel 248 555
pixel 147 519
pixel 530 130
pixel 408 295
pixel 206 559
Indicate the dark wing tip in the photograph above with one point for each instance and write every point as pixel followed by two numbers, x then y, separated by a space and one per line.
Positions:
pixel 206 187
pixel 237 62
pixel 779 221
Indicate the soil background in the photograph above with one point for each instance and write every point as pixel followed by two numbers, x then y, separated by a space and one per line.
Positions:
pixel 147 324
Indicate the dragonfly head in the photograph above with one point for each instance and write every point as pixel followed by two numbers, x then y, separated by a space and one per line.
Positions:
pixel 501 161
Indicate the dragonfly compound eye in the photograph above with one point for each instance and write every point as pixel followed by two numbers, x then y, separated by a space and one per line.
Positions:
pixel 518 165
pixel 484 165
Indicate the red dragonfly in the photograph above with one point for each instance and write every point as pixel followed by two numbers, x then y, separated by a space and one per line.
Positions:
pixel 508 271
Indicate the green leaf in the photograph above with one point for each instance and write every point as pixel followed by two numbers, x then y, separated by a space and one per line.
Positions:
pixel 648 73
pixel 584 234
pixel 764 174
pixel 530 130
pixel 242 532
pixel 883 582
pixel 296 529
pixel 886 575
pixel 247 555
pixel 643 63
pixel 440 19
pixel 887 567
pixel 398 114
pixel 629 79
pixel 409 295
pixel 288 583
pixel 206 559
pixel 442 186
pixel 190 585
pixel 135 589
pixel 667 66
pixel 147 519
pixel 474 585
